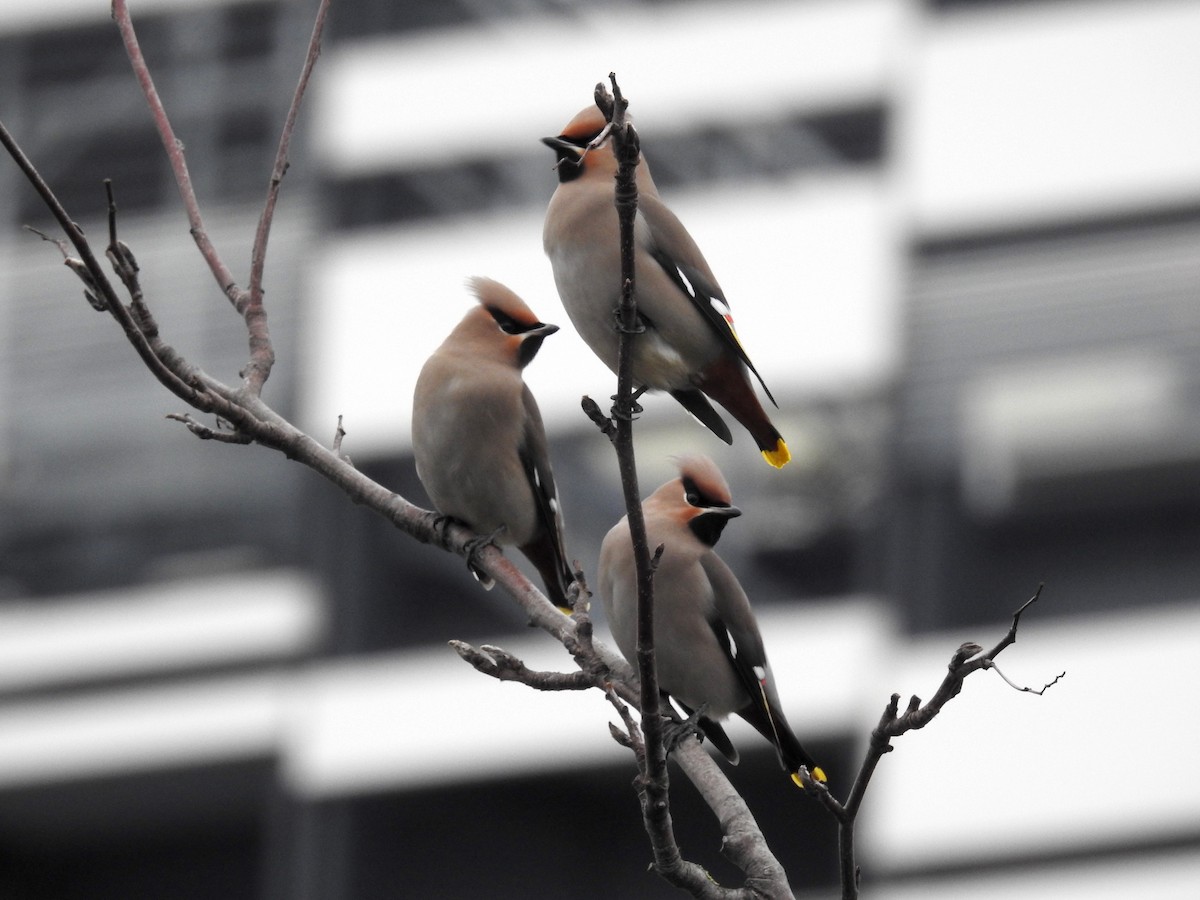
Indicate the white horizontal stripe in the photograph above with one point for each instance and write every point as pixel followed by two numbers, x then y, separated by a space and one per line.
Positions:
pixel 500 86
pixel 20 15
pixel 1163 876
pixel 1042 111
pixel 210 621
pixel 141 729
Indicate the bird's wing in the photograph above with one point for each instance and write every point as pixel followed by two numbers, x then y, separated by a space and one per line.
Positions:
pixel 535 458
pixel 670 245
pixel 698 406
pixel 739 638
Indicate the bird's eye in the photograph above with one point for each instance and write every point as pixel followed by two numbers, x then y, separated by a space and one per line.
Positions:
pixel 507 323
pixel 580 140
pixel 692 498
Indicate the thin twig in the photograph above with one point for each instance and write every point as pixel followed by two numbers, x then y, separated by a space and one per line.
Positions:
pixel 892 723
pixel 174 149
pixel 631 737
pixel 125 266
pixel 91 292
pixel 339 435
pixel 592 410
pixel 250 302
pixel 654 784
pixel 206 433
pixel 1026 689
pixel 103 295
pixel 503 666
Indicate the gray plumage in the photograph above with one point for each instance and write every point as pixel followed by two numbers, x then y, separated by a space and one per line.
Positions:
pixel 708 649
pixel 689 347
pixel 478 438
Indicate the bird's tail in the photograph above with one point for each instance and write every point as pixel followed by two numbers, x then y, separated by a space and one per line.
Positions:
pixel 548 559
pixel 775 728
pixel 726 382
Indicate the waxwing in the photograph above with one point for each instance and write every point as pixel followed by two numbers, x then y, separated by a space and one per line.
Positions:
pixel 709 652
pixel 478 438
pixel 689 347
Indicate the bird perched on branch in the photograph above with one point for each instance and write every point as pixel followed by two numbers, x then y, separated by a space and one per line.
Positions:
pixel 478 437
pixel 708 649
pixel 689 347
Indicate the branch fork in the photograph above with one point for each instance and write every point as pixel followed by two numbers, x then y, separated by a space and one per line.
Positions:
pixel 893 723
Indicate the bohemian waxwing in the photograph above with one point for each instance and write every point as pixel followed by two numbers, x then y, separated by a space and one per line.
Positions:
pixel 707 645
pixel 478 438
pixel 689 347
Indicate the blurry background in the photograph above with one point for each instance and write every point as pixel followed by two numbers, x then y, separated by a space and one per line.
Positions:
pixel 960 239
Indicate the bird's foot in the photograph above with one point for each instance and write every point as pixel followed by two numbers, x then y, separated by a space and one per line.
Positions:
pixel 441 528
pixel 639 326
pixel 676 731
pixel 634 408
pixel 472 548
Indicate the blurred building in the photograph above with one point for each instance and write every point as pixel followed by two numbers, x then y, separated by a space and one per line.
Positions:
pixel 961 242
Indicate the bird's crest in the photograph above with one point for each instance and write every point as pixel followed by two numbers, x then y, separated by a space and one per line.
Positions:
pixel 499 308
pixel 700 476
pixel 585 126
pixel 497 298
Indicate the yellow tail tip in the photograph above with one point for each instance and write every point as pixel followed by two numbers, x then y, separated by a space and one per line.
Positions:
pixel 779 456
pixel 816 772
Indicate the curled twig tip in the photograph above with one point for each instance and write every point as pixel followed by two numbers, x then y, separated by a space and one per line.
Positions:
pixel 338 434
pixel 619 736
pixel 206 433
pixel 1025 689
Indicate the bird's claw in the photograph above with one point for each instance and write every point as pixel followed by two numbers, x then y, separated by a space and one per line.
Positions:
pixel 676 731
pixel 634 408
pixel 441 527
pixel 472 548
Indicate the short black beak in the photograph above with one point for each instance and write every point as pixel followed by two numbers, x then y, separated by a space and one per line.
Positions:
pixel 558 144
pixel 709 524
pixel 570 157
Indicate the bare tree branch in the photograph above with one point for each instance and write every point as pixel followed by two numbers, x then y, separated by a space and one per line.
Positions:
pixel 892 724
pixel 503 666
pixel 765 877
pixel 97 287
pixel 1026 689
pixel 250 303
pixel 174 149
pixel 91 293
pixel 653 782
pixel 207 433
pixel 631 737
pixel 742 840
